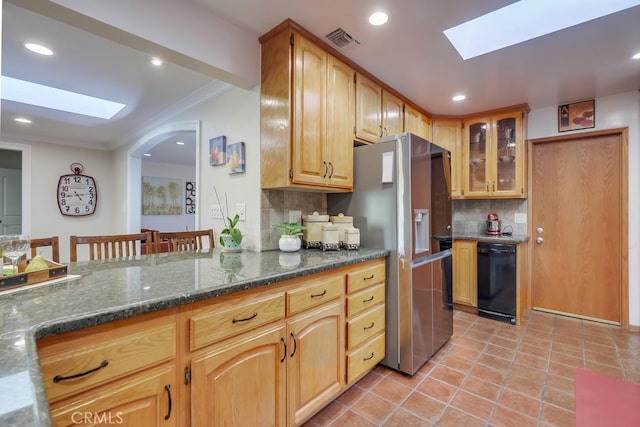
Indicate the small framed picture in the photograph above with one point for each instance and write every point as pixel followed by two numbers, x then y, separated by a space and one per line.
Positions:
pixel 217 150
pixel 578 115
pixel 236 154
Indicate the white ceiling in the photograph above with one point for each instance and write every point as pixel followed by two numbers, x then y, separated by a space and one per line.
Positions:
pixel 410 53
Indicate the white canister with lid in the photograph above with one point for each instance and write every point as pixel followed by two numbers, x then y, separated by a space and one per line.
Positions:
pixel 352 238
pixel 330 240
pixel 312 235
pixel 342 222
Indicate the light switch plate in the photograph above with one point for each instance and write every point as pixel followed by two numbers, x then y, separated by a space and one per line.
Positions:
pixel 216 212
pixel 241 210
pixel 520 218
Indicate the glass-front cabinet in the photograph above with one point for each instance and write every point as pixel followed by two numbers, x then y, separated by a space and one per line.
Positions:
pixel 494 156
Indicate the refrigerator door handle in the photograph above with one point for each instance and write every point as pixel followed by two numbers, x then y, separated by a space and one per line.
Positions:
pixel 431 258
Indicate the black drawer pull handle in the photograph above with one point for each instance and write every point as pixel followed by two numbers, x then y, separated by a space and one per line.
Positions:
pixel 369 277
pixel 295 345
pixel 364 359
pixel 368 299
pixel 168 390
pixel 284 343
pixel 370 326
pixel 319 295
pixel 255 314
pixel 59 378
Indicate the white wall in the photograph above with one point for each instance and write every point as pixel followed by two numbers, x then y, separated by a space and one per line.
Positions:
pixel 622 110
pixel 169 222
pixel 235 114
pixel 48 162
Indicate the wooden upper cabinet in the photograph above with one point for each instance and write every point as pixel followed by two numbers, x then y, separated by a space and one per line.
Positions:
pixel 307 115
pixel 309 112
pixel 378 112
pixel 368 109
pixel 447 133
pixel 493 155
pixel 416 122
pixel 392 114
pixel 341 107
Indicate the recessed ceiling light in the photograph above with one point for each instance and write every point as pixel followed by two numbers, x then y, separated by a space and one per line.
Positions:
pixel 155 61
pixel 525 20
pixel 179 143
pixel 459 98
pixel 38 48
pixel 22 120
pixel 147 155
pixel 636 56
pixel 378 18
pixel 26 92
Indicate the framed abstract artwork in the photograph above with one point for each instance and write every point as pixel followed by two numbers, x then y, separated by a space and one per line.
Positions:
pixel 579 115
pixel 161 196
pixel 190 198
pixel 217 150
pixel 236 156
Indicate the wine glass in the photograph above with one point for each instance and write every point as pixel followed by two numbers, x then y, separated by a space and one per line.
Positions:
pixel 14 246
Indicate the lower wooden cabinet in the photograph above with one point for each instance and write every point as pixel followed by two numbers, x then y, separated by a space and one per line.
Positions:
pixel 122 372
pixel 315 361
pixel 144 399
pixel 273 356
pixel 465 272
pixel 242 381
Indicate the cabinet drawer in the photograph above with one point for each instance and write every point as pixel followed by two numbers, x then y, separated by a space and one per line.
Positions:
pixel 364 326
pixel 365 299
pixel 365 358
pixel 366 277
pixel 233 318
pixel 314 293
pixel 101 354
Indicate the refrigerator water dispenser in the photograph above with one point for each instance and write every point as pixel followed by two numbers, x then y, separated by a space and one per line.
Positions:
pixel 421 227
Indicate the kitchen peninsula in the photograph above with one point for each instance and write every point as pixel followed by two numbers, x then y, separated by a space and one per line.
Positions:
pixel 136 292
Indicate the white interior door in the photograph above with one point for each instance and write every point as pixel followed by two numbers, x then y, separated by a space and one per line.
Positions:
pixel 10 201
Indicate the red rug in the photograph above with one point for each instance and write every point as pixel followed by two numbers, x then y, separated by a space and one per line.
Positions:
pixel 605 401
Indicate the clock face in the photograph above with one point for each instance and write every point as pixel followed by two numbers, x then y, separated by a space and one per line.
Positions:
pixel 77 195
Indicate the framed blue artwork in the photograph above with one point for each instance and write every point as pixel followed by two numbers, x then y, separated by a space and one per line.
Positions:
pixel 217 150
pixel 236 154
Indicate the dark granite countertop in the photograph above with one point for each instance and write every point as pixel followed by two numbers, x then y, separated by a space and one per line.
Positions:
pixel 116 289
pixel 483 237
pixel 507 239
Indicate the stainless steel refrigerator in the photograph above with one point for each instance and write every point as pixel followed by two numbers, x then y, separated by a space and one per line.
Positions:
pixel 400 202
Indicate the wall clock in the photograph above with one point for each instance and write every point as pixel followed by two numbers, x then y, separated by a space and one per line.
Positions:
pixel 77 193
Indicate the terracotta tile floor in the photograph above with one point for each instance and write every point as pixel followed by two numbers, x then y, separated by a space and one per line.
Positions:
pixel 492 374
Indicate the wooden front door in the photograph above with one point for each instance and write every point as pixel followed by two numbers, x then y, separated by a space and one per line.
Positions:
pixel 579 225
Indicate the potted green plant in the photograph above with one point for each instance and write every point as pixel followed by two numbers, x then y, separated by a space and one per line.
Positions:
pixel 230 236
pixel 290 238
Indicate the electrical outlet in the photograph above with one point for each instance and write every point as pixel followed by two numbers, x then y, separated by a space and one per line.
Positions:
pixel 295 216
pixel 241 210
pixel 216 212
pixel 520 218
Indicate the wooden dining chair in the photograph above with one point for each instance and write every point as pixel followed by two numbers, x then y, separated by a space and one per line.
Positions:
pixel 181 241
pixel 45 242
pixel 111 246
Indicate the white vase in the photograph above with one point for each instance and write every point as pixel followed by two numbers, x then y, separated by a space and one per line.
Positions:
pixel 289 243
pixel 229 245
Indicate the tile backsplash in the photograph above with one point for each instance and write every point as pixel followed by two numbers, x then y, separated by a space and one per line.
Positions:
pixel 471 215
pixel 278 205
pixel 468 215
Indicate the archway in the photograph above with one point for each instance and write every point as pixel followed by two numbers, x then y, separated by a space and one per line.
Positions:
pixel 134 168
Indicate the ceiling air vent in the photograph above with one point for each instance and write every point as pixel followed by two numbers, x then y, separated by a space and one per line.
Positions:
pixel 341 38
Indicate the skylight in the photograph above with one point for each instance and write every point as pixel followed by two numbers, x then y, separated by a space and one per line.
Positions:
pixel 49 97
pixel 525 20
